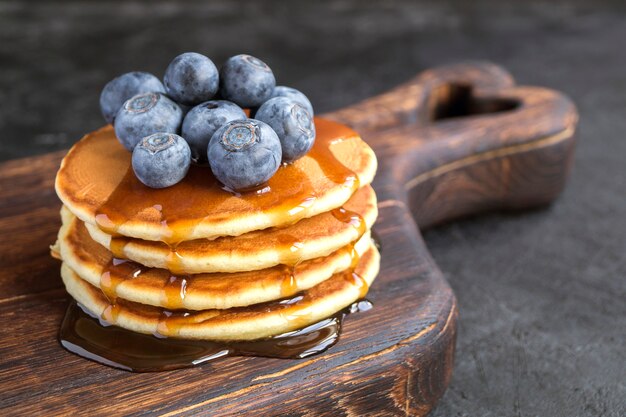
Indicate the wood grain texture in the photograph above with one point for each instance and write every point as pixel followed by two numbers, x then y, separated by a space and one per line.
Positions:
pixel 452 142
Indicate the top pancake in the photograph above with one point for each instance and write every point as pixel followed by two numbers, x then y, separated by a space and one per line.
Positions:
pixel 97 184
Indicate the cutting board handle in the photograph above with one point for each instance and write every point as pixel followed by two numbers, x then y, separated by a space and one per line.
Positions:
pixel 463 138
pixel 452 142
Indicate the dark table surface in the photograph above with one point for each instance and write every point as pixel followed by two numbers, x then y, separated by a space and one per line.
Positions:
pixel 542 294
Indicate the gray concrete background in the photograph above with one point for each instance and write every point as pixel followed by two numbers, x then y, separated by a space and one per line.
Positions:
pixel 542 294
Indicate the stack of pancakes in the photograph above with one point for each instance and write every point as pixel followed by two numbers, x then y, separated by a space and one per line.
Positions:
pixel 197 261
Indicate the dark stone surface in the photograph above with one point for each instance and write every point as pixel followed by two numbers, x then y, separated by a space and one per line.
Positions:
pixel 542 295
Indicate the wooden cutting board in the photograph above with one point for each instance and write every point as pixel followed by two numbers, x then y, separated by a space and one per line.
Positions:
pixel 454 141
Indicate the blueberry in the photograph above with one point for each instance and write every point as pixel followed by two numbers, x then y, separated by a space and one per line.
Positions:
pixel 161 160
pixel 295 95
pixel 246 81
pixel 120 89
pixel 244 154
pixel 145 114
pixel 292 123
pixel 191 78
pixel 185 109
pixel 203 120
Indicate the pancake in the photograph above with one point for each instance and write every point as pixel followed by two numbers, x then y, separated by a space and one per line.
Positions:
pixel 97 184
pixel 158 287
pixel 309 238
pixel 244 323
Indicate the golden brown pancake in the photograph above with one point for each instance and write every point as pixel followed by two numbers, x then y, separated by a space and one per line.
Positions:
pixel 159 287
pixel 307 239
pixel 97 184
pixel 244 323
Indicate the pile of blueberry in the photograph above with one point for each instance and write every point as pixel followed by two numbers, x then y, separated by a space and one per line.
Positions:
pixel 205 107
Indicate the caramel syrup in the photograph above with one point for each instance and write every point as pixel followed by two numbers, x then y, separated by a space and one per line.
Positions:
pixel 199 197
pixel 117 246
pixel 119 270
pixel 178 209
pixel 114 346
pixel 291 247
pixel 351 276
pixel 289 284
pixel 175 291
pixel 116 272
pixel 99 340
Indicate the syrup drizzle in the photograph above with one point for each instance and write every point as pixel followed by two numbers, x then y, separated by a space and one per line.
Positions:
pixel 113 274
pixel 119 270
pixel 170 323
pixel 289 285
pixel 175 262
pixel 352 218
pixel 113 346
pixel 110 314
pixel 298 318
pixel 290 245
pixel 175 290
pixel 351 276
pixel 286 198
pixel 357 281
pixel 117 246
pixel 100 340
pixel 175 287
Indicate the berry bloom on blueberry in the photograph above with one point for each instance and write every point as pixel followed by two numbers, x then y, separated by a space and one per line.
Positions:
pixel 203 121
pixel 244 154
pixel 120 89
pixel 246 81
pixel 292 123
pixel 161 160
pixel 191 78
pixel 144 115
pixel 293 94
